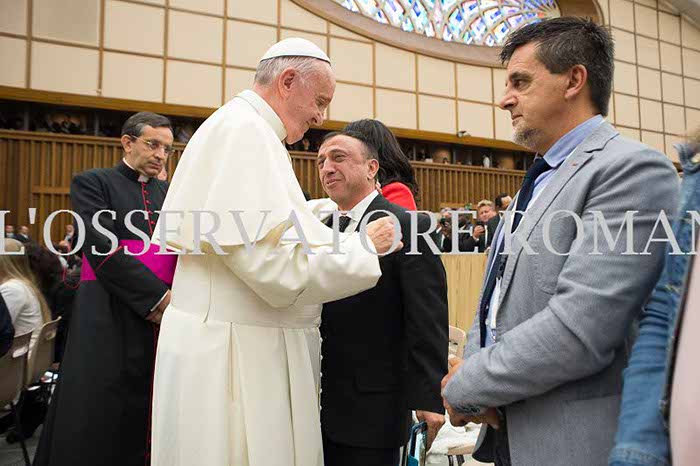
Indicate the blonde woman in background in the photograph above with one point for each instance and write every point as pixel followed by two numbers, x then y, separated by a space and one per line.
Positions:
pixel 27 307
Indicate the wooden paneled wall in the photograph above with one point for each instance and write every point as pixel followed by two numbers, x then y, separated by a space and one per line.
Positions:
pixel 465 273
pixel 36 171
pixel 441 184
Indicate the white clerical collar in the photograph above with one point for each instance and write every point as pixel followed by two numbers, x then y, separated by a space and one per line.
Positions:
pixel 142 178
pixel 358 211
pixel 265 111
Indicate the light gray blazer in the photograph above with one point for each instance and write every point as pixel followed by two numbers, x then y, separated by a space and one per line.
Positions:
pixel 566 323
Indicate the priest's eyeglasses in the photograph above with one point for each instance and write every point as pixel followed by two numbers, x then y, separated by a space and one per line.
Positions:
pixel 155 145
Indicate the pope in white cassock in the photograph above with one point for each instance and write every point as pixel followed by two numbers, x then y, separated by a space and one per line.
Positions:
pixel 237 366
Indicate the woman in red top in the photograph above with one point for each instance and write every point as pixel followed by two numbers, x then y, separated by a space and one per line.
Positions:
pixel 396 175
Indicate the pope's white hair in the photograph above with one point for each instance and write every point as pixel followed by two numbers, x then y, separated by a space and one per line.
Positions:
pixel 269 70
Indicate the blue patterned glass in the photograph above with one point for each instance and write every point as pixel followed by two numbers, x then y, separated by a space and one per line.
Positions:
pixel 472 22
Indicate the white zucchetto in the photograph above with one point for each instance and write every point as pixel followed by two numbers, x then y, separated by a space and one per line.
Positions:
pixel 295 47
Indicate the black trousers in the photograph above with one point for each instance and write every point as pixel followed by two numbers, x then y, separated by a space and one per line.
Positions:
pixel 336 454
pixel 501 449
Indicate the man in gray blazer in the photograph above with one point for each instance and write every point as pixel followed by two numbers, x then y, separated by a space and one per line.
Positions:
pixel 543 365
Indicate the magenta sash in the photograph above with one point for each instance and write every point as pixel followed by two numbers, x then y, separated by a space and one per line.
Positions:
pixel 162 265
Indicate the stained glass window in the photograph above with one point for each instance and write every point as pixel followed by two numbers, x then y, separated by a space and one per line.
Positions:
pixel 479 22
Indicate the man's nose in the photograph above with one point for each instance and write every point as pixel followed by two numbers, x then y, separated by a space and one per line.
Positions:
pixel 327 168
pixel 507 101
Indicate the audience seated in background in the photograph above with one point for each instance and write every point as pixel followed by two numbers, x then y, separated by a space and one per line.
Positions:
pixel 446 219
pixel 307 144
pixel 68 261
pixel 34 283
pixel 62 261
pixel 482 232
pixel 62 122
pixel 23 235
pixel 46 268
pixel 485 228
pixel 183 132
pixel 438 236
pixel 18 287
pixel 502 202
pixel 110 128
pixel 70 230
pixel 9 231
pixel 11 120
pixel 58 286
pixel 661 382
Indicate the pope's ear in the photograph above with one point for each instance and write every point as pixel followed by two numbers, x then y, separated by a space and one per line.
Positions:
pixel 287 80
pixel 126 143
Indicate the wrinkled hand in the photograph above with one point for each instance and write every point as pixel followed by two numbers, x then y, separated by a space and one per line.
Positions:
pixel 157 314
pixel 382 233
pixel 435 421
pixel 458 419
pixel 478 231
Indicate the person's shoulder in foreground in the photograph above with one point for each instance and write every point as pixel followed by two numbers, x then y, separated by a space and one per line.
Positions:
pixel 643 437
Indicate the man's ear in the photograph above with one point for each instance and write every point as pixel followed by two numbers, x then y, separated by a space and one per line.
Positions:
pixel 373 168
pixel 126 143
pixel 578 77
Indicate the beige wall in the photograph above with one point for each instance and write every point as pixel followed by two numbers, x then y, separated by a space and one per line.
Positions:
pixel 202 52
pixel 657 75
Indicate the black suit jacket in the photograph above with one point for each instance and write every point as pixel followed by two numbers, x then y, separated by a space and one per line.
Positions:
pixel 22 238
pixel 385 349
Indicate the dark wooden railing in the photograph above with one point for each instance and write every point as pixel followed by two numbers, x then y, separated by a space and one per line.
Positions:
pixel 36 171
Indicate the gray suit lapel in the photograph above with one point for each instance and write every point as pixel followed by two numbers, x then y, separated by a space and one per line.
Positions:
pixel 593 143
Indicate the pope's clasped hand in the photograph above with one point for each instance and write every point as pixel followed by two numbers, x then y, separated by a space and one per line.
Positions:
pixel 385 236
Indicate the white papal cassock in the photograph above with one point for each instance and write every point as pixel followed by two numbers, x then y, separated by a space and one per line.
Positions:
pixel 237 367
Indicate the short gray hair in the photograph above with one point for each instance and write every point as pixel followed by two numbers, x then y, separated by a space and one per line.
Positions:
pixel 269 69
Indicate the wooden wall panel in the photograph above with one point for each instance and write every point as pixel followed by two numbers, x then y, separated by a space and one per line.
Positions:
pixel 465 273
pixel 36 171
pixel 452 184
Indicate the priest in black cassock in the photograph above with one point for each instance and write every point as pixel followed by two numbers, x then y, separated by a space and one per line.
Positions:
pixel 100 412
